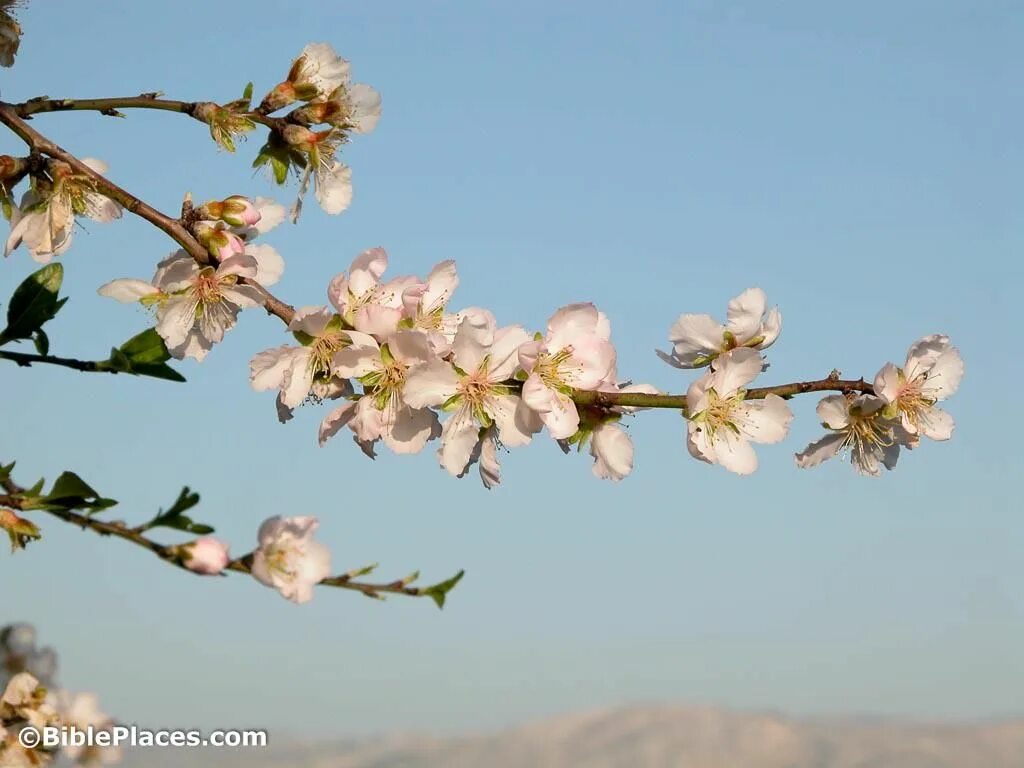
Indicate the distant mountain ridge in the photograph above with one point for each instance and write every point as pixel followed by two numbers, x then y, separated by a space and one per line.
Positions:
pixel 652 737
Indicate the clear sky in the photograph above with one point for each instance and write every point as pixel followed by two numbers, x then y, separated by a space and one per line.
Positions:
pixel 860 162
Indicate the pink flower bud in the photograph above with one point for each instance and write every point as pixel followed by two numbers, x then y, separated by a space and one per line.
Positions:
pixel 206 555
pixel 239 211
pixel 221 243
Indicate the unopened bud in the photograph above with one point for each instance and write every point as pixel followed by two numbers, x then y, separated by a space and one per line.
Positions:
pixel 221 243
pixel 280 96
pixel 12 167
pixel 299 137
pixel 237 210
pixel 207 556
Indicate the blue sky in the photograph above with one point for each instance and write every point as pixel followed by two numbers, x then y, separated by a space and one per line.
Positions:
pixel 861 163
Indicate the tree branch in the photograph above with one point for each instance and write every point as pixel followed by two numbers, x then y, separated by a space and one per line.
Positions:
pixel 111 107
pixel 14 499
pixel 25 359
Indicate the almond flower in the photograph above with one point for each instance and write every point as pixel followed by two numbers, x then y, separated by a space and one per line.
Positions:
pixel 699 339
pixel 45 220
pixel 931 374
pixel 351 107
pixel 858 424
pixel 575 354
pixel 315 73
pixel 332 179
pixel 426 306
pixel 382 413
pixel 722 423
pixel 288 559
pixel 294 370
pixel 82 711
pixel 195 305
pixel 473 388
pixel 363 301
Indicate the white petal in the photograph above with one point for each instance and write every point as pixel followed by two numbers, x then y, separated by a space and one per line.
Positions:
pixel 459 437
pixel 127 290
pixel 335 421
pixel 298 378
pixel 765 421
pixel 473 340
pixel 937 424
pixel 516 423
pixel 820 450
pixel 887 383
pixel 504 357
pixel 175 319
pixel 334 188
pixel 411 429
pixel 365 103
pixel 745 313
pixel 695 337
pixel 735 369
pixel 612 451
pixel 734 452
pixel 834 411
pixel 945 374
pixel 267 369
pixel 430 384
pixel 269 263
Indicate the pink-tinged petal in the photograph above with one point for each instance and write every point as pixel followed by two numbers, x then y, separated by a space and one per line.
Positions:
pixel 440 285
pixel 271 214
pixel 215 320
pixel 695 338
pixel 490 467
pixel 333 188
pixel 734 452
pixel 473 340
pixel 177 271
pixel 529 353
pixel 745 313
pixel 936 424
pixel 337 292
pixel 612 451
pixel 504 357
pixel 269 263
pixel 311 320
pixel 298 378
pixel 412 297
pixel 569 324
pixel 945 375
pixel 367 423
pixel 366 270
pixel 377 320
pixel 411 429
pixel 764 421
pixel 820 450
pixel 127 290
pixel 887 383
pixel 195 346
pixel 335 422
pixel 175 319
pixel 411 347
pixel 516 423
pixel 735 369
pixel 646 389
pixel 312 569
pixel 834 411
pixel 593 360
pixel 562 420
pixel 241 264
pixel 538 395
pixel 430 384
pixel 459 437
pixel 267 368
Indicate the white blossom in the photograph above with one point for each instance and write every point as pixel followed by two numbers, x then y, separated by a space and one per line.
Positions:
pixel 931 373
pixel 288 559
pixel 722 424
pixel 857 424
pixel 699 339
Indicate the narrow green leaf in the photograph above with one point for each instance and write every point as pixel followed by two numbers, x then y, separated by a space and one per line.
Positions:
pixel 42 342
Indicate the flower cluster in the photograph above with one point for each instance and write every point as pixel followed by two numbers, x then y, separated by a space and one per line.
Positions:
pixel 29 698
pixel 10 32
pixel 902 409
pixel 196 304
pixel 399 357
pixel 319 77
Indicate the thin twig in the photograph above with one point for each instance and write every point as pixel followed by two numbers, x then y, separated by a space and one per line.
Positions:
pixel 26 359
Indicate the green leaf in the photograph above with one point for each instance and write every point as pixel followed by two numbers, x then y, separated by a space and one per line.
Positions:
pixel 143 355
pixel 70 491
pixel 438 592
pixel 5 472
pixel 175 518
pixel 34 303
pixel 247 93
pixel 42 342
